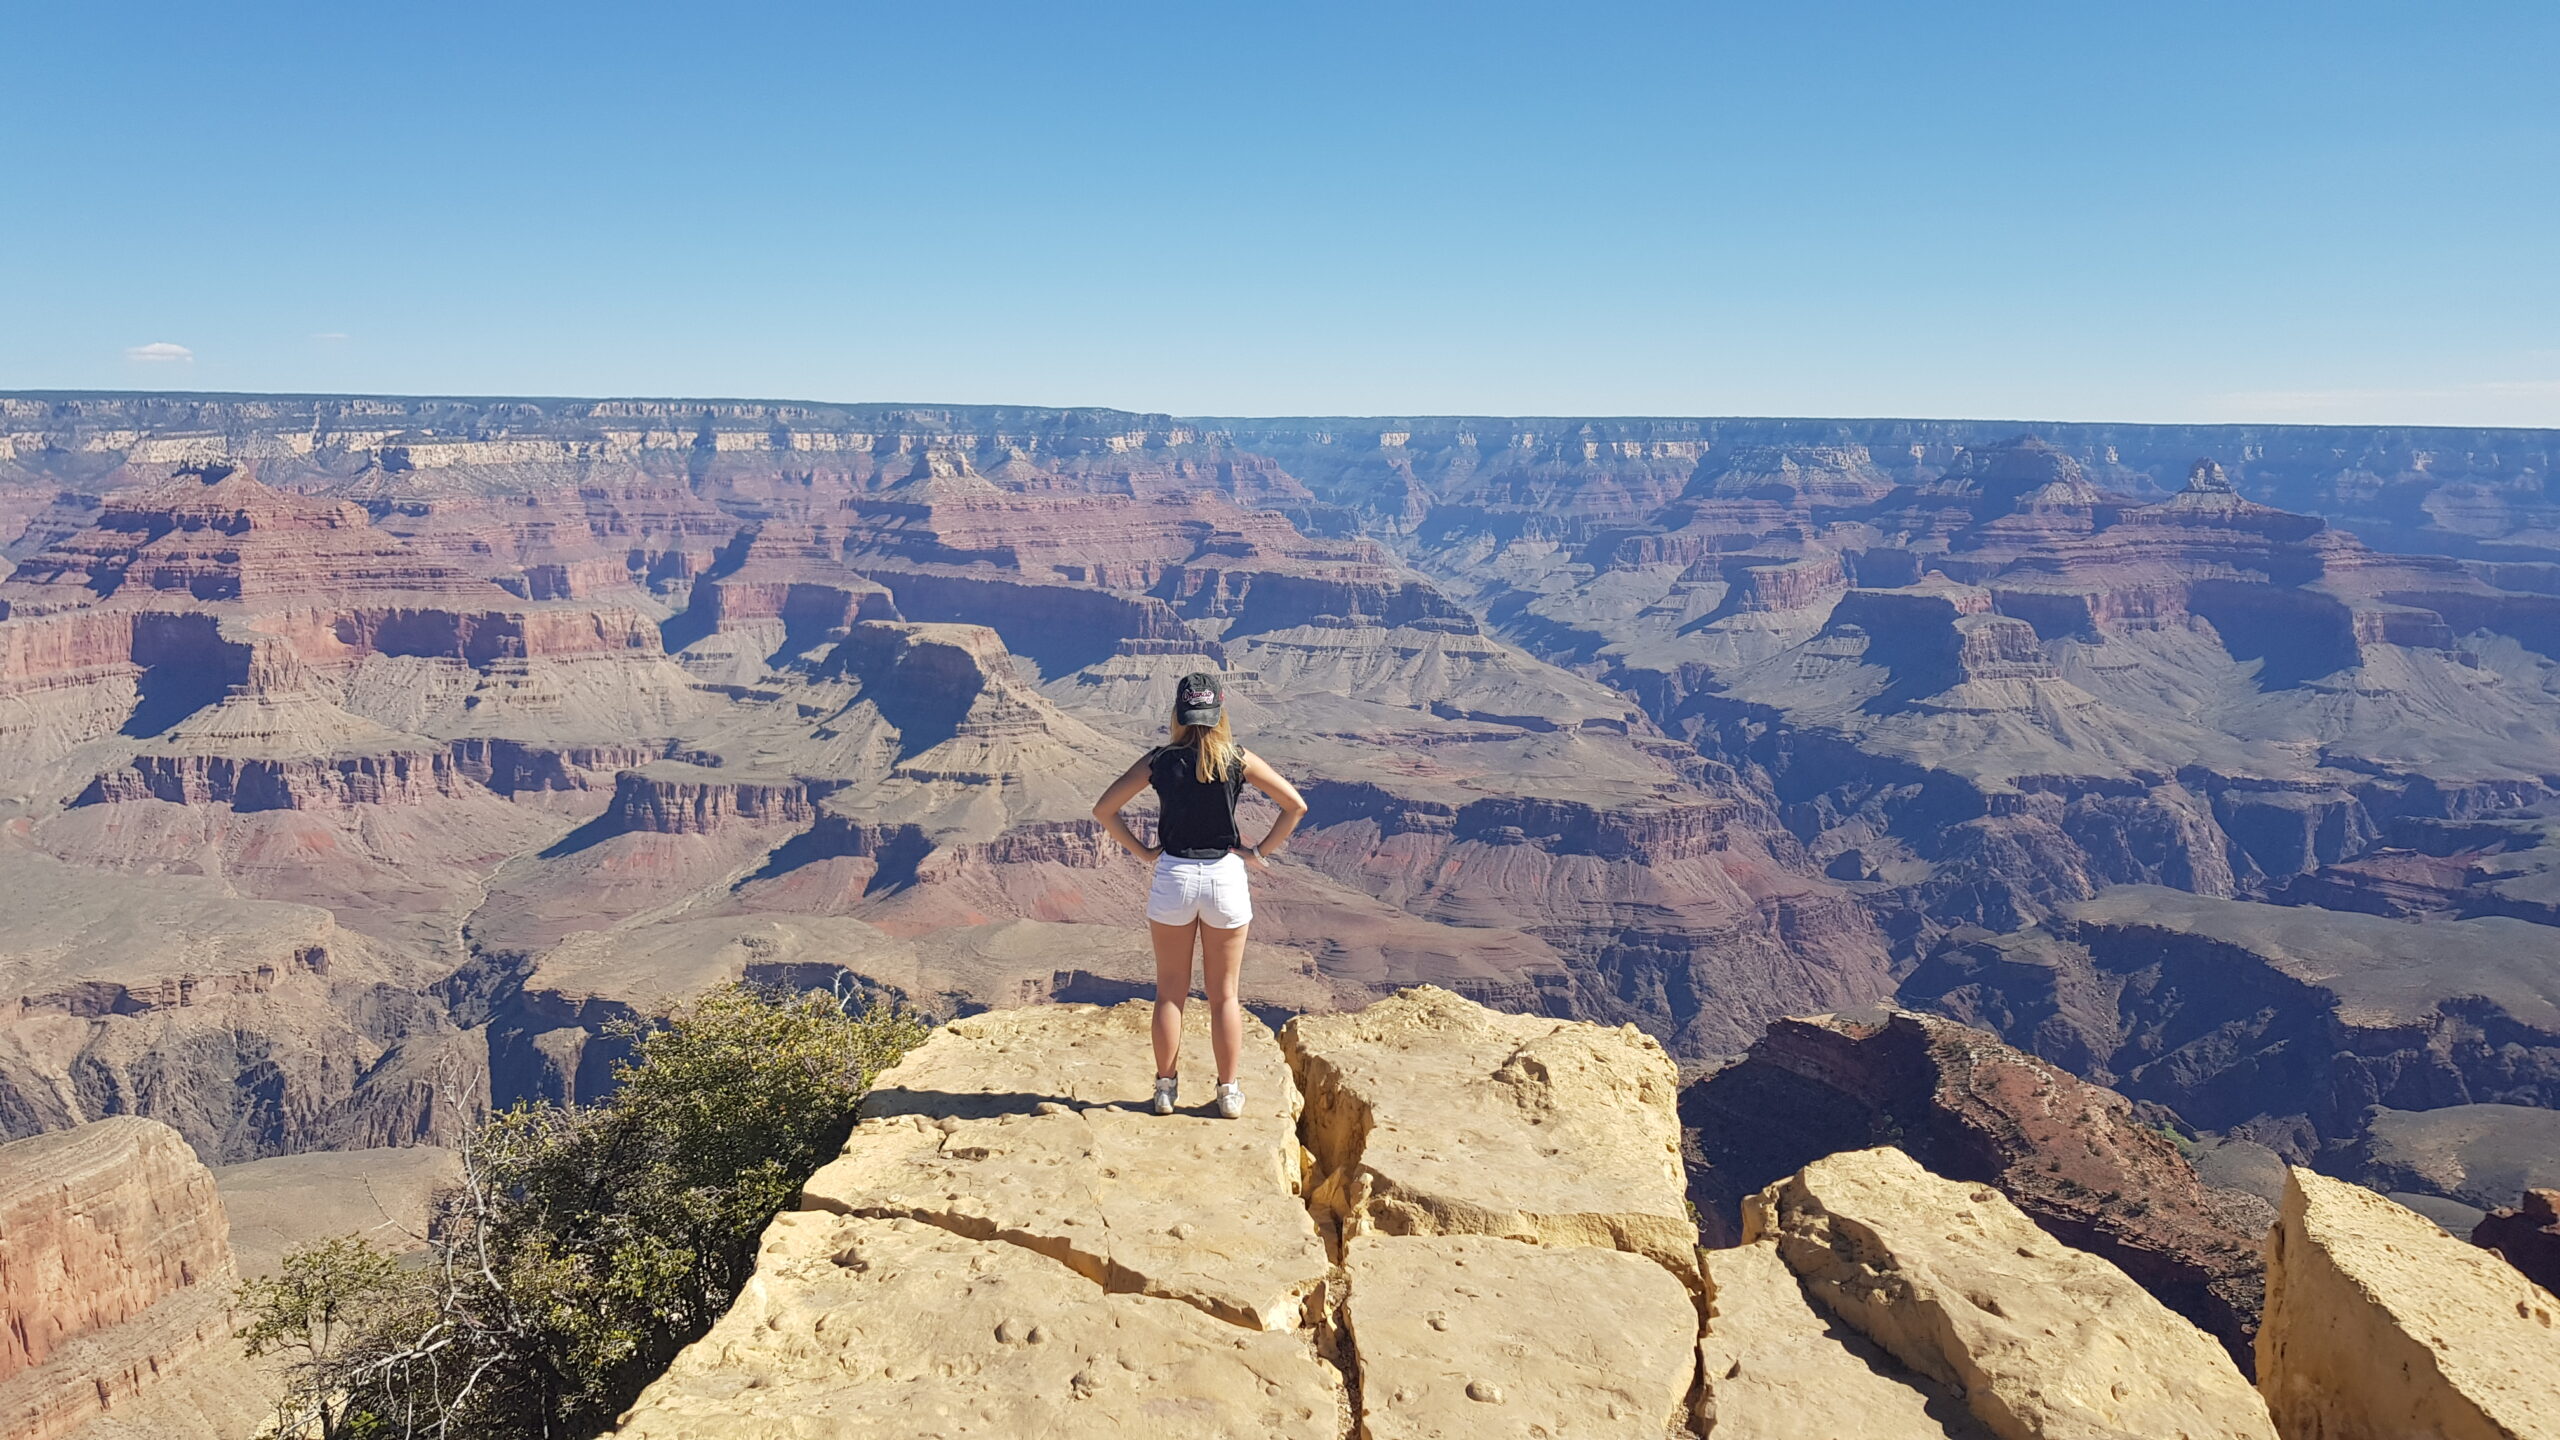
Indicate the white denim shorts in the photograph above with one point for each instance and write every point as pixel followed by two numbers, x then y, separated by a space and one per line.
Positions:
pixel 1213 892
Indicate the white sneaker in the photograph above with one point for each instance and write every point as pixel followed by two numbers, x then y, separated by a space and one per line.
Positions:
pixel 1230 1099
pixel 1166 1085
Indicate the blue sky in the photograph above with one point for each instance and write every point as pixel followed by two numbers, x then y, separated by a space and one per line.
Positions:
pixel 2210 212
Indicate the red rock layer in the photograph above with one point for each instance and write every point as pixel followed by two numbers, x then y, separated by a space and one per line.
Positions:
pixel 216 534
pixel 672 805
pixel 2075 1157
pixel 396 778
pixel 108 1232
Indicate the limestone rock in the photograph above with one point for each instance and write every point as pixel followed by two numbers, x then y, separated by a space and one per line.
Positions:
pixel 1466 1335
pixel 1773 1368
pixel 1431 1115
pixel 856 1327
pixel 2380 1325
pixel 1071 1165
pixel 2046 1343
pixel 115 1266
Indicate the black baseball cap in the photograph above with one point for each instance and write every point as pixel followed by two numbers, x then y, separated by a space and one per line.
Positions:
pixel 1198 700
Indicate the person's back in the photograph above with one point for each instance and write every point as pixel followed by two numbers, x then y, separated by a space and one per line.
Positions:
pixel 1195 818
pixel 1200 897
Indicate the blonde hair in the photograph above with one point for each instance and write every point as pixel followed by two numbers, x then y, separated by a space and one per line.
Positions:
pixel 1217 755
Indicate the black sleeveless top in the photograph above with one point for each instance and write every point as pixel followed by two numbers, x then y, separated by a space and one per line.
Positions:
pixel 1196 820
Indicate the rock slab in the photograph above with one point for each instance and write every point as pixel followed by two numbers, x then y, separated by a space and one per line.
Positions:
pixel 855 1327
pixel 1773 1368
pixel 1431 1115
pixel 2379 1325
pixel 2045 1342
pixel 1071 1166
pixel 1459 1336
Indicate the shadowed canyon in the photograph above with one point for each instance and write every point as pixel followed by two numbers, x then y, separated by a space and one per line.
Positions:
pixel 2126 813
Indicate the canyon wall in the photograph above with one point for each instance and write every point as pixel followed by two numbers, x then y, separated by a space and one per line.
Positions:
pixel 555 711
pixel 115 1271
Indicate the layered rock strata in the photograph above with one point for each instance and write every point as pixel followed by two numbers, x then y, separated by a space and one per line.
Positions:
pixel 115 1270
pixel 2380 1325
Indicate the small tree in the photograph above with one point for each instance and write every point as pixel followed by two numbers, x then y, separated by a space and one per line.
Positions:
pixel 586 1245
pixel 319 1307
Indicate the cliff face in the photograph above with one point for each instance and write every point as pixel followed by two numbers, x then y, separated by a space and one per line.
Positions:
pixel 2378 1324
pixel 2528 1235
pixel 115 1266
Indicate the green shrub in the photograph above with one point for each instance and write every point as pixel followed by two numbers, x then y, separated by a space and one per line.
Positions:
pixel 586 1244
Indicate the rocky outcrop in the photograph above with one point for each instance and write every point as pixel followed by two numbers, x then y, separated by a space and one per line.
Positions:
pixel 1415 1114
pixel 2042 1341
pixel 692 802
pixel 2075 1158
pixel 1030 1255
pixel 115 1267
pixel 1011 1245
pixel 1092 1183
pixel 2528 1234
pixel 2380 1325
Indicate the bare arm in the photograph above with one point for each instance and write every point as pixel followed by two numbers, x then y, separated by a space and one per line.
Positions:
pixel 1293 806
pixel 1114 800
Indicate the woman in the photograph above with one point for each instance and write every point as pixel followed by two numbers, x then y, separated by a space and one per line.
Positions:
pixel 1200 893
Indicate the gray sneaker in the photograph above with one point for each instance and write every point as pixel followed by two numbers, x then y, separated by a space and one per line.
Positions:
pixel 1230 1099
pixel 1166 1085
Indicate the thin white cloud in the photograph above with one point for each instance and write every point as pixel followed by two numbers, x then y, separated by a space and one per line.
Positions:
pixel 161 352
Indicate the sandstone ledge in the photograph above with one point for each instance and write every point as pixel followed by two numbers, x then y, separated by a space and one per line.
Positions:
pixel 2380 1325
pixel 1009 1245
pixel 1773 1368
pixel 1430 1115
pixel 2045 1342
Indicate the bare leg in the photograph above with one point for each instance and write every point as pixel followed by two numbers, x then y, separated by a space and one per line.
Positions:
pixel 1221 963
pixel 1173 986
